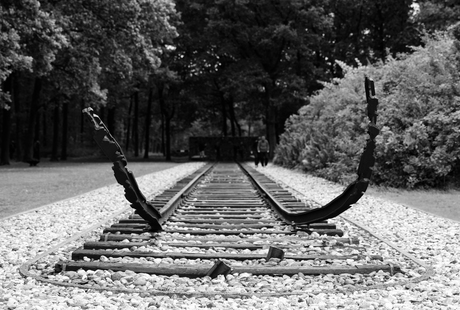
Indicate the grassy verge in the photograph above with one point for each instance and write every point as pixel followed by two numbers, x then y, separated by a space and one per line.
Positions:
pixel 441 203
pixel 23 188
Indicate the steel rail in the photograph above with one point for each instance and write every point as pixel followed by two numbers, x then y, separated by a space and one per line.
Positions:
pixel 175 201
pixel 352 193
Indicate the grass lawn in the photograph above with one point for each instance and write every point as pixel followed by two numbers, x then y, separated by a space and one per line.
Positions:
pixel 23 188
pixel 442 203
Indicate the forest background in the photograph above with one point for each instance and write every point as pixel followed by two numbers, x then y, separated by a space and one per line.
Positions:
pixel 159 71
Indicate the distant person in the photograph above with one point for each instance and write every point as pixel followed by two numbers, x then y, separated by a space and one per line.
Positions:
pixel 217 148
pixel 36 154
pixel 241 150
pixel 254 151
pixel 12 148
pixel 201 147
pixel 262 151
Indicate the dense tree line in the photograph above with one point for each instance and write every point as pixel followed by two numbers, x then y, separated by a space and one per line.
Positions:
pixel 60 56
pixel 159 70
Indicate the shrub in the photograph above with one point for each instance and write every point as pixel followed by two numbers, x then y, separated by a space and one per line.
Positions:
pixel 419 117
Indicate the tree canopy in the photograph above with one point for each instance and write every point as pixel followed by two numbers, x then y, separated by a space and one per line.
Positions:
pixel 184 67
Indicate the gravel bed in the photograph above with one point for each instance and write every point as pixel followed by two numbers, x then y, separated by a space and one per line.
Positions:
pixel 432 240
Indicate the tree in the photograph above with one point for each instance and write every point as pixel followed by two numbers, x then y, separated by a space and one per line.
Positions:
pixel 255 47
pixel 74 52
pixel 438 14
pixel 368 30
pixel 30 45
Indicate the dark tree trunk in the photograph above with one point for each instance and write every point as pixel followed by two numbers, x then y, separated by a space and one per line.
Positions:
pixel 36 147
pixel 224 120
pixel 167 116
pixel 45 128
pixel 168 138
pixel 54 149
pixel 101 114
pixel 32 119
pixel 65 129
pixel 18 118
pixel 6 137
pixel 111 120
pixel 136 124
pixel 234 122
pixel 148 116
pixel 6 125
pixel 270 119
pixel 128 124
pixel 163 148
pixel 82 121
pixel 223 104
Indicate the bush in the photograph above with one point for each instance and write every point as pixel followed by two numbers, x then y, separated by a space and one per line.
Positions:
pixel 419 117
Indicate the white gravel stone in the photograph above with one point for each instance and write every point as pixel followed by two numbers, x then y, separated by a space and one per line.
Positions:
pixel 432 240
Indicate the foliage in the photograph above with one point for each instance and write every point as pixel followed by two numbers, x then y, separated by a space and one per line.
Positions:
pixel 55 54
pixel 29 40
pixel 418 114
pixel 369 30
pixel 256 60
pixel 438 15
pixel 241 67
pixel 327 136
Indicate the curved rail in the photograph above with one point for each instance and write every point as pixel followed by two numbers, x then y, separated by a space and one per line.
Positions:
pixel 126 178
pixel 222 199
pixel 353 192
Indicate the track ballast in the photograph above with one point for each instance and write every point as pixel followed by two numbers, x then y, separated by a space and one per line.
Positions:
pixel 224 225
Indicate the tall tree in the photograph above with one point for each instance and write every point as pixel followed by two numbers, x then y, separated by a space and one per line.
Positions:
pixel 367 30
pixel 32 39
pixel 272 42
pixel 148 120
pixel 438 14
pixel 90 50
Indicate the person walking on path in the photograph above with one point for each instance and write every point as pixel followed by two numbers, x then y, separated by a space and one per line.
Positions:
pixel 262 151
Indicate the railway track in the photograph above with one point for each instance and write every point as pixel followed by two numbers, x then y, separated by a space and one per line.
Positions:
pixel 225 225
pixel 228 221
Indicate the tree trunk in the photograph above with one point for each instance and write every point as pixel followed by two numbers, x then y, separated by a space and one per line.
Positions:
pixel 270 119
pixel 232 125
pixel 111 121
pixel 65 129
pixel 45 128
pixel 167 116
pixel 6 137
pixel 18 118
pixel 168 138
pixel 136 124
pixel 128 125
pixel 6 125
pixel 148 115
pixel 54 149
pixel 33 112
pixel 233 119
pixel 224 115
pixel 36 147
pixel 82 121
pixel 163 148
